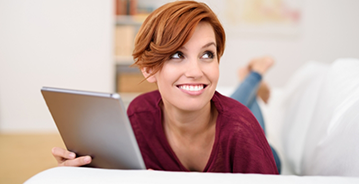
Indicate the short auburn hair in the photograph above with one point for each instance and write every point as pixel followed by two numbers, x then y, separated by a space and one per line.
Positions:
pixel 168 28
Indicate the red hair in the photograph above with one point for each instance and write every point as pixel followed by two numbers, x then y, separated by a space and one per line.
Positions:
pixel 168 28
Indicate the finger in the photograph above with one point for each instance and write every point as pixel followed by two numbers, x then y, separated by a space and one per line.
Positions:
pixel 61 154
pixel 56 151
pixel 80 161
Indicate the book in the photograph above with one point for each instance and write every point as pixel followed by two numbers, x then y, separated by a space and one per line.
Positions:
pixel 126 7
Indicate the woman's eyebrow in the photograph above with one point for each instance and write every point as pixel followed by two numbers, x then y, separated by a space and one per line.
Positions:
pixel 205 46
pixel 209 44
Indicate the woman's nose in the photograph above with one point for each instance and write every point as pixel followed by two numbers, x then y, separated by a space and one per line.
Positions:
pixel 193 69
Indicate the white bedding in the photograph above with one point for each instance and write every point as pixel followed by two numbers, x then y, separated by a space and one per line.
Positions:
pixel 89 175
pixel 314 121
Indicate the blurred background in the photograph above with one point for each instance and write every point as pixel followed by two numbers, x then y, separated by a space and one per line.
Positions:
pixel 86 45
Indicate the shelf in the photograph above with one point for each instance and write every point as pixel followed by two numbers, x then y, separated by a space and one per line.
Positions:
pixel 126 68
pixel 124 60
pixel 129 80
pixel 133 20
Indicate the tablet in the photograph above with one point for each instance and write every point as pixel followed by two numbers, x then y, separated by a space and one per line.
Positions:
pixel 95 124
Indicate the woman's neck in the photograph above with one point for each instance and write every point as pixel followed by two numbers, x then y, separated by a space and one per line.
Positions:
pixel 189 124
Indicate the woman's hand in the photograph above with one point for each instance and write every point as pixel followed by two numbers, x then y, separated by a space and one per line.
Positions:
pixel 67 158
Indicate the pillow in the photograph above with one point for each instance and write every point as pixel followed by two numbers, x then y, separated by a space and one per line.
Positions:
pixel 331 146
pixel 289 113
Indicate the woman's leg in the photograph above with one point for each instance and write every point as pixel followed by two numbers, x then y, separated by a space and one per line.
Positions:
pixel 246 93
pixel 256 111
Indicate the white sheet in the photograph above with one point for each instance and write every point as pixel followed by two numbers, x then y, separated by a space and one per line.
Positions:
pixel 88 175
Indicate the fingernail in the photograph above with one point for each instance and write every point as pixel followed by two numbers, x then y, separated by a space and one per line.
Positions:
pixel 87 160
pixel 72 155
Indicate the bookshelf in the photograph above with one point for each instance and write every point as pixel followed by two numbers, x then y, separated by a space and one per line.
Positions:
pixel 133 20
pixel 129 16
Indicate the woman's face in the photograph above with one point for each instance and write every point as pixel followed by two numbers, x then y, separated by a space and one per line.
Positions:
pixel 189 78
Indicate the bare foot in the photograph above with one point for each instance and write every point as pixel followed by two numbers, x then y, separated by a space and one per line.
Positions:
pixel 261 65
pixel 263 89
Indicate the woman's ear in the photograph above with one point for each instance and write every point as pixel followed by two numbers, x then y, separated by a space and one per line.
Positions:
pixel 146 73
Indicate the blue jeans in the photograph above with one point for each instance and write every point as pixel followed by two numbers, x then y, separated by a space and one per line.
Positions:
pixel 246 93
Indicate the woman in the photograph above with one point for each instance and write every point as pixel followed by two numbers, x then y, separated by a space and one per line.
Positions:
pixel 186 125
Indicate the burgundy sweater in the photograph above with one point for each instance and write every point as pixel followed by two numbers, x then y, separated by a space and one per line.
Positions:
pixel 240 145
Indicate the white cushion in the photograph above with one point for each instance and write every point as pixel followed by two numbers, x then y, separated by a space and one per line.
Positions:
pixel 289 114
pixel 313 121
pixel 332 141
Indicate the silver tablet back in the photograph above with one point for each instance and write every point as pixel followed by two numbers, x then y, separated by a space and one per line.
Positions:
pixel 95 124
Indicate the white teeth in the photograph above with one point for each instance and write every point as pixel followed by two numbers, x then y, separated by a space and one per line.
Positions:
pixel 191 87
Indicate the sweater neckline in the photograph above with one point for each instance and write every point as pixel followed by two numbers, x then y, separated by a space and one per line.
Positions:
pixel 214 150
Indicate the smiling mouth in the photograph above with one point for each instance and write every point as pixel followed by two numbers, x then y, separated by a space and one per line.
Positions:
pixel 197 87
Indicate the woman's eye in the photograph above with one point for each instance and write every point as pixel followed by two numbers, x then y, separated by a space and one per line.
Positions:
pixel 177 55
pixel 208 55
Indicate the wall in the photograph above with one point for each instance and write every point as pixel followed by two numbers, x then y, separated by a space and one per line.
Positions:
pixel 328 30
pixel 51 43
pixel 69 44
